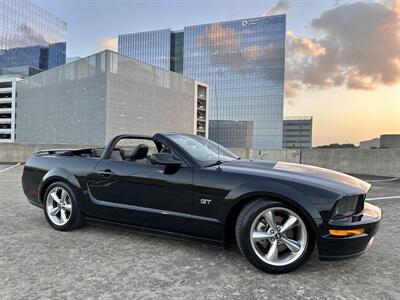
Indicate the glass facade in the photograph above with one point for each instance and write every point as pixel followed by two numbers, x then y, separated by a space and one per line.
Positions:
pixel 297 132
pixel 243 62
pixel 235 133
pixel 153 47
pixel 177 52
pixel 19 71
pixel 30 36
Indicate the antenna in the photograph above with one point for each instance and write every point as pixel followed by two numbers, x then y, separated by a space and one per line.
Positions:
pixel 219 130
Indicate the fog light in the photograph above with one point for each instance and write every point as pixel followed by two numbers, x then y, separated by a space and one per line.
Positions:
pixel 347 232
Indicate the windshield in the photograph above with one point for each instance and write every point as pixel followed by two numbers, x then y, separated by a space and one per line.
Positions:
pixel 205 151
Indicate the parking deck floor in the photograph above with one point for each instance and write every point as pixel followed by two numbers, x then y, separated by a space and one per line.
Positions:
pixel 95 262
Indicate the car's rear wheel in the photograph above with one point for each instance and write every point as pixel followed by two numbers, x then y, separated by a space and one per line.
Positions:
pixel 273 236
pixel 61 208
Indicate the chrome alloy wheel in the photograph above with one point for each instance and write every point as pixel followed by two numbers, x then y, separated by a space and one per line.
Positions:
pixel 59 206
pixel 278 236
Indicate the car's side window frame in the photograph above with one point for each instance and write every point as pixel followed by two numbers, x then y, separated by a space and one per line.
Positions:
pixel 179 151
pixel 159 145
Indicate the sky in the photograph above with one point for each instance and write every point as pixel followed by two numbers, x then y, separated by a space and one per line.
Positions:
pixel 343 57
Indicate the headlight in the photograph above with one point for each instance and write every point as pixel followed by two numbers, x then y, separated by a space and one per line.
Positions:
pixel 345 207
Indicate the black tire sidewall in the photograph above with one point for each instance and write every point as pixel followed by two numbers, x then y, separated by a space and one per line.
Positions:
pixel 243 227
pixel 76 215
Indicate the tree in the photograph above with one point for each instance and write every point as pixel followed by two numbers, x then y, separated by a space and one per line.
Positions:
pixel 337 146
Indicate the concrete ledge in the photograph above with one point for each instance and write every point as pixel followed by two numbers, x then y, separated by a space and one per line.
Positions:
pixel 384 162
pixel 381 162
pixel 20 152
pixel 289 155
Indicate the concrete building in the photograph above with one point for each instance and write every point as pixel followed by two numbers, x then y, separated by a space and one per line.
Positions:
pixel 370 144
pixel 390 141
pixel 95 98
pixel 30 36
pixel 297 132
pixel 7 108
pixel 242 61
pixel 8 85
pixel 384 141
pixel 236 133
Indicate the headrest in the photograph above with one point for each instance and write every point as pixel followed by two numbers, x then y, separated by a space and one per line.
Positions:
pixel 140 152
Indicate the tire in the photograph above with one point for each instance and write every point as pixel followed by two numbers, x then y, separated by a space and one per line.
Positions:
pixel 273 251
pixel 61 207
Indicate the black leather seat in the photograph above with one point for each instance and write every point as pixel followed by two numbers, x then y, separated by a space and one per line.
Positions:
pixel 96 152
pixel 116 155
pixel 140 152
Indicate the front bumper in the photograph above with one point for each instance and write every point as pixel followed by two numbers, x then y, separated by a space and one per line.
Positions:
pixel 335 247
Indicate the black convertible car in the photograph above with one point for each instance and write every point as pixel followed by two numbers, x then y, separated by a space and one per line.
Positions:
pixel 187 185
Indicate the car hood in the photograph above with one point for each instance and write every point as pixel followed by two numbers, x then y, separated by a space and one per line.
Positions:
pixel 316 176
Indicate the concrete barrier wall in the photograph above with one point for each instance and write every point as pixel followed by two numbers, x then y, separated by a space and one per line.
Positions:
pixel 20 152
pixel 289 155
pixel 385 162
pixel 242 152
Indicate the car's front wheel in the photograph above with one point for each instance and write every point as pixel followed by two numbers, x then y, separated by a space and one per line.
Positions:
pixel 61 208
pixel 273 236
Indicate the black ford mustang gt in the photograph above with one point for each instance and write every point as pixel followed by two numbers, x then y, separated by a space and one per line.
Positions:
pixel 187 185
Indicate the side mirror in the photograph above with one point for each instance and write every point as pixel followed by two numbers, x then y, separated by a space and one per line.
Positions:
pixel 165 159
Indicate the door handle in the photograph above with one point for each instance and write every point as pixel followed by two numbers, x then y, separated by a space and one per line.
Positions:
pixel 105 173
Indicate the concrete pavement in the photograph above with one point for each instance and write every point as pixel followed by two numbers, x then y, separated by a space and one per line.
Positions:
pixel 101 263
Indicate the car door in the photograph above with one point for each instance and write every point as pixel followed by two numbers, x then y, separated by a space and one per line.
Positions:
pixel 144 194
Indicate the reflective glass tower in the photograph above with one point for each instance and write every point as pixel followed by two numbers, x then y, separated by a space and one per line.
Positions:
pixel 152 47
pixel 30 36
pixel 243 62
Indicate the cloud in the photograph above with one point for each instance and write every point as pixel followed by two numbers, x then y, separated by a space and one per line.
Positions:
pixel 279 8
pixel 291 88
pixel 357 81
pixel 306 47
pixel 357 45
pixel 107 42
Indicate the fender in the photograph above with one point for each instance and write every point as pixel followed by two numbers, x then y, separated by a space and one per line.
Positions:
pixel 60 174
pixel 284 192
pixel 281 190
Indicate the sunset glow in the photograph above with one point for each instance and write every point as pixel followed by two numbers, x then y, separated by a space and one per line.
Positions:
pixel 349 80
pixel 348 116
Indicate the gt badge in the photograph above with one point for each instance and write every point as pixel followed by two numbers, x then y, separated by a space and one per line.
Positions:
pixel 205 201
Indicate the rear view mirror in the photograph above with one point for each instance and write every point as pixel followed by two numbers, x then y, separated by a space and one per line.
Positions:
pixel 165 159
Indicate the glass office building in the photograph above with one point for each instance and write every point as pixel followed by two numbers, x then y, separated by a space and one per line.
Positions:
pixel 152 47
pixel 30 36
pixel 297 132
pixel 242 61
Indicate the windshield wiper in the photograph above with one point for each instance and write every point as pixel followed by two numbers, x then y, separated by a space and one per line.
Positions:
pixel 217 163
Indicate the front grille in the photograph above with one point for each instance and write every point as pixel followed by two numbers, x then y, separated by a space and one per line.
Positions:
pixel 360 203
